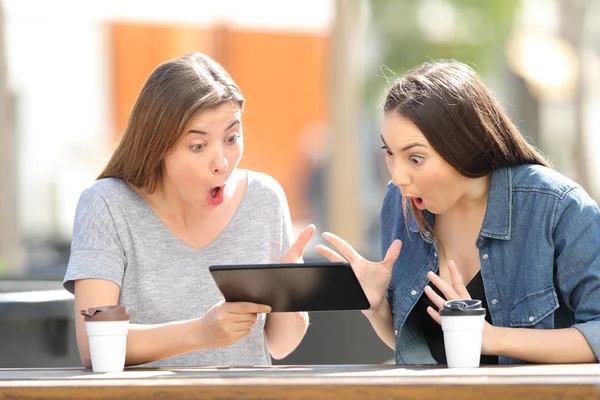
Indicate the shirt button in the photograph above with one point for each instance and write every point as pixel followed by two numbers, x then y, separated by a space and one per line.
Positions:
pixel 435 254
pixel 427 233
pixel 414 293
pixel 494 301
pixel 485 256
pixel 396 332
pixel 531 319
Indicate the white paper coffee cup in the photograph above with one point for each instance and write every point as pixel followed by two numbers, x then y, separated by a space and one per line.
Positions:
pixel 462 323
pixel 107 329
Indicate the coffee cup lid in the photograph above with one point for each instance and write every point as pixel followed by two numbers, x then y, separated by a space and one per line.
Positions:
pixel 462 307
pixel 105 313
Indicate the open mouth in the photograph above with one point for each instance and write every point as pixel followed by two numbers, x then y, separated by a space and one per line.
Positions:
pixel 418 201
pixel 215 195
pixel 215 191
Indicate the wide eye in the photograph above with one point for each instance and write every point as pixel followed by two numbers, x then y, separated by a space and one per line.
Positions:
pixel 232 139
pixel 415 159
pixel 197 147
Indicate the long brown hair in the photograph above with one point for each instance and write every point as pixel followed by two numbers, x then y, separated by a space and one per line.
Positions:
pixel 461 119
pixel 176 91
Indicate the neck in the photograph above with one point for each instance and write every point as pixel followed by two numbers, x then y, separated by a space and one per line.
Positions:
pixel 474 198
pixel 169 200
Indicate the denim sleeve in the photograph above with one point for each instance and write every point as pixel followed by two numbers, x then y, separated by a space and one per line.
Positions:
pixel 577 261
pixel 386 216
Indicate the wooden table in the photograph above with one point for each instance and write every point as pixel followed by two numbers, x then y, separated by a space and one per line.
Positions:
pixel 308 382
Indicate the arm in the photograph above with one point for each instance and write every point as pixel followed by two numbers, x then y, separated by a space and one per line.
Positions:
pixel 566 345
pixel 373 278
pixel 96 265
pixel 222 326
pixel 284 332
pixel 144 343
pixel 383 323
pixel 558 346
pixel 576 237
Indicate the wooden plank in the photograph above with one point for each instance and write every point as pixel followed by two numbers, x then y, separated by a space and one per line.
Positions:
pixel 307 382
pixel 433 392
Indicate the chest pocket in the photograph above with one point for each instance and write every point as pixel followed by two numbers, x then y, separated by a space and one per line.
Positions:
pixel 533 308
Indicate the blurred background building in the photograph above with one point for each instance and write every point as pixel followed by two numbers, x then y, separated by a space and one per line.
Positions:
pixel 313 73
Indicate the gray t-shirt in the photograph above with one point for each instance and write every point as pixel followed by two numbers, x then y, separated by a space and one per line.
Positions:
pixel 117 237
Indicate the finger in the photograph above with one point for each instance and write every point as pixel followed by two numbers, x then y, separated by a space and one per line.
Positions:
pixel 434 314
pixel 330 254
pixel 247 308
pixel 444 287
pixel 242 327
pixel 297 249
pixel 243 318
pixel 434 297
pixel 393 252
pixel 457 281
pixel 347 251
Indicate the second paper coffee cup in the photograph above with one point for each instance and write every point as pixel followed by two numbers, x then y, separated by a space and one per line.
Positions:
pixel 462 324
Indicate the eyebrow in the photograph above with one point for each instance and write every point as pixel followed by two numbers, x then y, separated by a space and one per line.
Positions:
pixel 407 147
pixel 231 125
pixel 410 146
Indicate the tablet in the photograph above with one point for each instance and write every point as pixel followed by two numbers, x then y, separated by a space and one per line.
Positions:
pixel 292 287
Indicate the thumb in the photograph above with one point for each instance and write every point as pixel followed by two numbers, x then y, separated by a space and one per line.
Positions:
pixel 297 249
pixel 393 252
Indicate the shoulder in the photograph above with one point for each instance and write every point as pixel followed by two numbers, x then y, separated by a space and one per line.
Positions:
pixel 540 179
pixel 570 196
pixel 265 187
pixel 110 190
pixel 103 195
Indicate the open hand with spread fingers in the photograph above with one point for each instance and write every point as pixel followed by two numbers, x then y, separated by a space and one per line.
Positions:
pixel 456 291
pixel 374 277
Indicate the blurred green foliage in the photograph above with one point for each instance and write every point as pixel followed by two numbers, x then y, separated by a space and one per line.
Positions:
pixel 411 32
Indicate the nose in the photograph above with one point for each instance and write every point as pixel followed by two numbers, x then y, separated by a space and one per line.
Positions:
pixel 400 176
pixel 219 164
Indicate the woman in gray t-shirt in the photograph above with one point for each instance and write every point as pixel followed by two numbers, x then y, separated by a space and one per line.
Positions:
pixel 171 202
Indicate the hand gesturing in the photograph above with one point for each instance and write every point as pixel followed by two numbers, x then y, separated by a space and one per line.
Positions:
pixel 374 277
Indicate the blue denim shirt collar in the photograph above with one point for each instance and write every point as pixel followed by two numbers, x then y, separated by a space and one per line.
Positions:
pixel 498 214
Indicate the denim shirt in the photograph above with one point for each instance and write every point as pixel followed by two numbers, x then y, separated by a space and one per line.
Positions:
pixel 539 248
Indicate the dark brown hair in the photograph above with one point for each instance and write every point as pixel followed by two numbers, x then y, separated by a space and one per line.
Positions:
pixel 176 91
pixel 461 119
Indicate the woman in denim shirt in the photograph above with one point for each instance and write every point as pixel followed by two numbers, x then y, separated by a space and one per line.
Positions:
pixel 478 212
